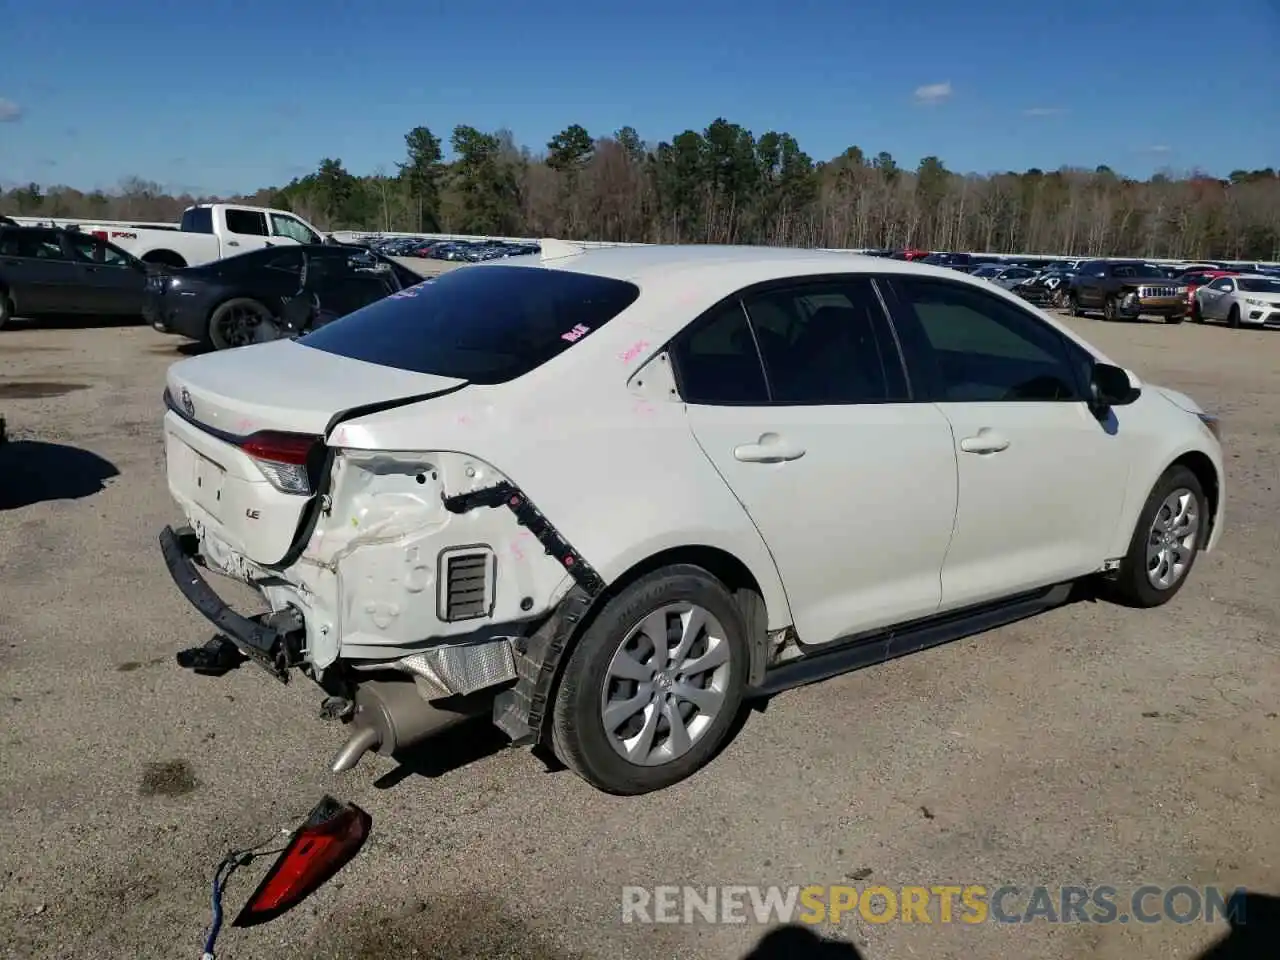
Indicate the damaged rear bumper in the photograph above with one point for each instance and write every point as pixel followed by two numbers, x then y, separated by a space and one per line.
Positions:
pixel 264 642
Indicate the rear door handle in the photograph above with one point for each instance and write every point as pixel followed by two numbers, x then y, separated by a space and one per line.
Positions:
pixel 986 441
pixel 770 448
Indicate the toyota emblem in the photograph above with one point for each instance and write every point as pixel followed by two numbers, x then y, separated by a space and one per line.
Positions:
pixel 187 405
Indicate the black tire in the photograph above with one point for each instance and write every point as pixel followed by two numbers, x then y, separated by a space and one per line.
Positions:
pixel 1109 311
pixel 6 309
pixel 1196 315
pixel 1175 318
pixel 1073 305
pixel 578 734
pixel 1132 586
pixel 165 258
pixel 218 334
pixel 1233 318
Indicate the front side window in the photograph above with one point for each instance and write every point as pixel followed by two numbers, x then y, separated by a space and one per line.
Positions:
pixel 95 251
pixel 1224 284
pixel 283 225
pixel 974 346
pixel 486 324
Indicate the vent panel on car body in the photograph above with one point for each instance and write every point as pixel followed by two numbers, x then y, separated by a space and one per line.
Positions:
pixel 467 578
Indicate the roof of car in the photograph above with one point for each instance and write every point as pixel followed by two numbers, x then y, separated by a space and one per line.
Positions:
pixel 739 265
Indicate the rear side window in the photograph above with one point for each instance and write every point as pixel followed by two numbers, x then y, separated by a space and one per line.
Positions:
pixel 717 362
pixel 247 222
pixel 198 220
pixel 483 324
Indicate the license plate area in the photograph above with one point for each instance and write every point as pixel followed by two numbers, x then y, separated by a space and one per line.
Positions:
pixel 207 479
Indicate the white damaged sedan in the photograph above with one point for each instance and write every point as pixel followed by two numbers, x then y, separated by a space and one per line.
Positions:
pixel 605 496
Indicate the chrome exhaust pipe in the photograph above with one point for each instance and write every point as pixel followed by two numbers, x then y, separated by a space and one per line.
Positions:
pixel 391 715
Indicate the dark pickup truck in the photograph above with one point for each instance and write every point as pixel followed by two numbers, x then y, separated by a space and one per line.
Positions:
pixel 1126 289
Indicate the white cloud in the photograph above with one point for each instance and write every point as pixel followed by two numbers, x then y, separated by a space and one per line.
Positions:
pixel 9 111
pixel 1043 111
pixel 1159 148
pixel 934 92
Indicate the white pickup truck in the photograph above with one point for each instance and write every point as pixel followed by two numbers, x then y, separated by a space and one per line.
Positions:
pixel 207 232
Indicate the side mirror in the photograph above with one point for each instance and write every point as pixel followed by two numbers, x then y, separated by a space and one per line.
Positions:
pixel 1111 386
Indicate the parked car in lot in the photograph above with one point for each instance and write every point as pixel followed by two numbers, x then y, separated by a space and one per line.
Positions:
pixel 1050 286
pixel 47 272
pixel 242 300
pixel 1243 300
pixel 603 496
pixel 1009 277
pixel 1126 289
pixel 209 232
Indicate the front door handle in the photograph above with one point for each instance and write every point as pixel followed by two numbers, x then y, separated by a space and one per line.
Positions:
pixel 233 243
pixel 986 441
pixel 770 448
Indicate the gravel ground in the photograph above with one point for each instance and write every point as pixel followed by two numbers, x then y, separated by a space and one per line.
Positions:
pixel 1091 745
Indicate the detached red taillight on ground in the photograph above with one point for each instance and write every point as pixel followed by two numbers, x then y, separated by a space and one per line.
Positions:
pixel 287 460
pixel 329 839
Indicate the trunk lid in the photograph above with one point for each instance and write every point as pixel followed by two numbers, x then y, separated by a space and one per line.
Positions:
pixel 285 386
pixel 245 431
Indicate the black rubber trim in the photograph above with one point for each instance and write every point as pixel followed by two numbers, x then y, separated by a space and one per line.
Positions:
pixel 505 494
pixel 858 652
pixel 521 711
pixel 255 640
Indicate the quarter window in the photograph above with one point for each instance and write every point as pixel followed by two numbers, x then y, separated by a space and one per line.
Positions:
pixel 976 347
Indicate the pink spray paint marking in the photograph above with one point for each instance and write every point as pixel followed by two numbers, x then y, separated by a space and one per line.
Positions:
pixel 244 426
pixel 645 408
pixel 633 351
pixel 576 334
pixel 340 438
pixel 464 420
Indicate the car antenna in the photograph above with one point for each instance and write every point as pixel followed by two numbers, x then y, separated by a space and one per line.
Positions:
pixel 559 249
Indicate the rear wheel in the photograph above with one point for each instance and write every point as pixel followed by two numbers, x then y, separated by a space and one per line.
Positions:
pixel 238 323
pixel 652 688
pixel 1171 530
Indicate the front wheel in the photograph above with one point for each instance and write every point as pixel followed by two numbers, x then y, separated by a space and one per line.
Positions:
pixel 1171 530
pixel 1196 315
pixel 1109 309
pixel 651 690
pixel 1233 319
pixel 1073 305
pixel 6 309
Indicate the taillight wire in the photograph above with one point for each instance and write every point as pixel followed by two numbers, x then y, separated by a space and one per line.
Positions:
pixel 230 863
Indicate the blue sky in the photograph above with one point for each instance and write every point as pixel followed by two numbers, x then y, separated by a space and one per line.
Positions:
pixel 229 95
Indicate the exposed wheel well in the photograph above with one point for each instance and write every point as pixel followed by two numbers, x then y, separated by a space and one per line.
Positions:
pixel 1199 464
pixel 722 565
pixel 165 257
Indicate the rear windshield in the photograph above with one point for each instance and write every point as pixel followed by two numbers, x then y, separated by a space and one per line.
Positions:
pixel 483 324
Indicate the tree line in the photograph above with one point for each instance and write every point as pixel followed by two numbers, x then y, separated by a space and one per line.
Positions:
pixel 724 184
